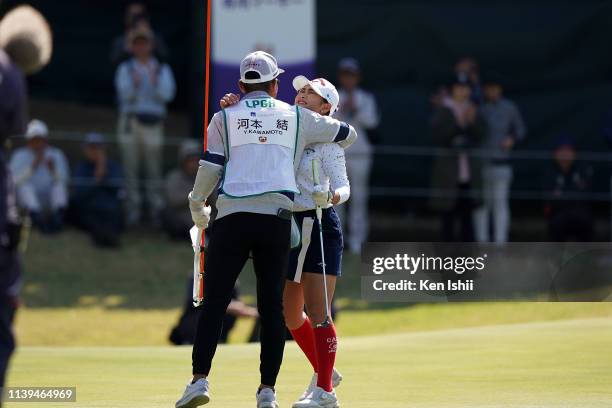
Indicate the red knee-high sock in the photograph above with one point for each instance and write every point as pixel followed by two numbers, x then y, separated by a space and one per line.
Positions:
pixel 327 342
pixel 304 337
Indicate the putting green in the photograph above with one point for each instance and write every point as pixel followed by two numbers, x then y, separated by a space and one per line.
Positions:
pixel 561 364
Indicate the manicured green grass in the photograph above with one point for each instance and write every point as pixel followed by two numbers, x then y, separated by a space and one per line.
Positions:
pixel 562 364
pixel 77 295
pixel 96 326
pixel 66 270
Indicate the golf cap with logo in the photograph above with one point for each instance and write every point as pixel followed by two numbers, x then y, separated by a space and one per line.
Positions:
pixel 36 128
pixel 322 87
pixel 258 67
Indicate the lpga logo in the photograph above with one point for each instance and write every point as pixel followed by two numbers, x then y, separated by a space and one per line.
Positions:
pixel 332 344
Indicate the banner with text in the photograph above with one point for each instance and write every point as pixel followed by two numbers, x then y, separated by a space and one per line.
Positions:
pixel 284 28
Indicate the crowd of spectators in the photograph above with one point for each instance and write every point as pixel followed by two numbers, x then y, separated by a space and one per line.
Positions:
pixel 101 195
pixel 475 128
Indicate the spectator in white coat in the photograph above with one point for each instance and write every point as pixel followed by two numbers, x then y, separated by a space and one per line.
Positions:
pixel 41 175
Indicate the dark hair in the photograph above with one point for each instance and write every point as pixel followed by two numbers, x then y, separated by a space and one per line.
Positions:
pixel 134 19
pixel 261 86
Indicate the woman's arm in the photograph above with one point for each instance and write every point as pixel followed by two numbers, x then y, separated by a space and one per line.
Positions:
pixel 334 166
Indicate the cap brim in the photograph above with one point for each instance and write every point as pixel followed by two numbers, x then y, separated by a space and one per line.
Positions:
pixel 301 81
pixel 261 80
pixel 36 135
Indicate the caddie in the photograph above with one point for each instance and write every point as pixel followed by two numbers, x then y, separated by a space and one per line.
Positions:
pixel 254 148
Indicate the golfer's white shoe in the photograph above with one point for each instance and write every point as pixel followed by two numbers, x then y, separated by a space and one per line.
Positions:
pixel 266 398
pixel 195 394
pixel 336 380
pixel 319 398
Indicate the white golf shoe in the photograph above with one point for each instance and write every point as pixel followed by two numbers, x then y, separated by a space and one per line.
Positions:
pixel 319 398
pixel 195 394
pixel 266 398
pixel 336 380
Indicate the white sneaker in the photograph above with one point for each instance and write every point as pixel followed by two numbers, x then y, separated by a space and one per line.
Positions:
pixel 195 394
pixel 266 398
pixel 319 398
pixel 336 380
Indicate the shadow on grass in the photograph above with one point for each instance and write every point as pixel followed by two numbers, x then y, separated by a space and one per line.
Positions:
pixel 148 272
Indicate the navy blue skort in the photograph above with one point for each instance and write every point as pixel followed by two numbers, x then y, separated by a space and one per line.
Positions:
pixel 307 256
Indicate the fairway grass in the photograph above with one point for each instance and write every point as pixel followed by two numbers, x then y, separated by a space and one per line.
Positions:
pixel 97 326
pixel 559 364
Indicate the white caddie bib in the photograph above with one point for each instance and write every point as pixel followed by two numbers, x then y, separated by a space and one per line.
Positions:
pixel 261 140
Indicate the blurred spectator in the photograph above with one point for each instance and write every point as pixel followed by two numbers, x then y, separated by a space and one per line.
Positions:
pixel 144 87
pixel 184 331
pixel 505 128
pixel 358 108
pixel 468 69
pixel 97 198
pixel 41 175
pixel 136 17
pixel 176 217
pixel 456 126
pixel 12 122
pixel 607 133
pixel 568 211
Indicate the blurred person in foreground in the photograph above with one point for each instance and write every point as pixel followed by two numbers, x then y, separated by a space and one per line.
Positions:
pixel 505 127
pixel 456 176
pixel 41 174
pixel 97 197
pixel 13 102
pixel 136 17
pixel 176 217
pixel 566 185
pixel 25 48
pixel 358 108
pixel 144 88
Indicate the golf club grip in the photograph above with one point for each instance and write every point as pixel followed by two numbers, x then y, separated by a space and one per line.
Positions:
pixel 202 256
pixel 315 178
pixel 315 171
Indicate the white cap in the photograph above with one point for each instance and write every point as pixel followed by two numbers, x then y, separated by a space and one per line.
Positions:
pixel 258 67
pixel 36 128
pixel 322 87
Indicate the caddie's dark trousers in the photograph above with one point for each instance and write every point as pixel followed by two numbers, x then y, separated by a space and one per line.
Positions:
pixel 234 236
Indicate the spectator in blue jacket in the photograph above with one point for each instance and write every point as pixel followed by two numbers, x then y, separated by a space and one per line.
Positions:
pixel 144 88
pixel 98 192
pixel 505 128
pixel 568 185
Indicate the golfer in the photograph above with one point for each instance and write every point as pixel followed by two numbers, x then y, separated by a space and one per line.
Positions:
pixel 315 335
pixel 304 287
pixel 256 145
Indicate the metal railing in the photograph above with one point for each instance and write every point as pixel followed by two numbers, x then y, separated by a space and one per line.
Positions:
pixel 424 152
